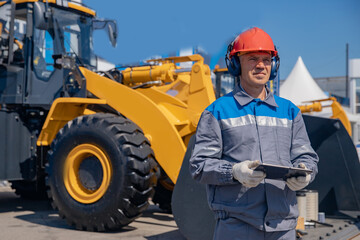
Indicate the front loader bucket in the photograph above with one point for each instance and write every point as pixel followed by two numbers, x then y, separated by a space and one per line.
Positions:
pixel 338 179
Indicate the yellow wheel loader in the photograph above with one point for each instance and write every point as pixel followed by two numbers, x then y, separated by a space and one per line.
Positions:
pixel 101 144
pixel 97 143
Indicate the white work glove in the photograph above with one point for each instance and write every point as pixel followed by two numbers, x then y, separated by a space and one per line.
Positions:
pixel 298 183
pixel 244 173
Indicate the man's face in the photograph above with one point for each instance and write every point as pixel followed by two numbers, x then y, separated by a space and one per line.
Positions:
pixel 255 69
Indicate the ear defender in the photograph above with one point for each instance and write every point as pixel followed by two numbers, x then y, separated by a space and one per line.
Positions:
pixel 233 63
pixel 233 66
pixel 275 64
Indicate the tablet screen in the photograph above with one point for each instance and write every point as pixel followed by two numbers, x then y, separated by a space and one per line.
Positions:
pixel 281 172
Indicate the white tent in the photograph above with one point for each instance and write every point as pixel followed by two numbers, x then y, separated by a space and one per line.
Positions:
pixel 299 86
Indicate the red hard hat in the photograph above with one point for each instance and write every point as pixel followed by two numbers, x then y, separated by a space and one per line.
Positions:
pixel 254 39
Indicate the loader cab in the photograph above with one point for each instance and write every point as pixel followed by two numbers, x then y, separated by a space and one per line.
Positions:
pixel 35 37
pixel 13 31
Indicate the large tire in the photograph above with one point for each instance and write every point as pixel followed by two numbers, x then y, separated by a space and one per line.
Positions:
pixel 101 172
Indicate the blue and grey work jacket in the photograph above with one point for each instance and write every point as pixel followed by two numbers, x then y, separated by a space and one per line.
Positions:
pixel 237 127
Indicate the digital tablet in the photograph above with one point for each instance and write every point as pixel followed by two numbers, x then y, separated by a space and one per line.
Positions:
pixel 281 172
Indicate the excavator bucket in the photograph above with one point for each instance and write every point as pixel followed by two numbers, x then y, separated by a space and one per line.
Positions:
pixel 337 181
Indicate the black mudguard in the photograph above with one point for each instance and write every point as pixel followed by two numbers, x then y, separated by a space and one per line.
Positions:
pixel 189 203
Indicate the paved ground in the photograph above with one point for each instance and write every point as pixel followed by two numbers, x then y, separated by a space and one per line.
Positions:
pixel 29 219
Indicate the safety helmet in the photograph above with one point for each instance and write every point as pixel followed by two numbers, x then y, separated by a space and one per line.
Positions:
pixel 254 39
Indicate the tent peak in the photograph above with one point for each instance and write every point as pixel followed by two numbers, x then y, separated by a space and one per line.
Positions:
pixel 299 86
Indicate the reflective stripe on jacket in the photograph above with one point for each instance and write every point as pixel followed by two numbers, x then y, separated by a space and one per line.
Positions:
pixel 237 127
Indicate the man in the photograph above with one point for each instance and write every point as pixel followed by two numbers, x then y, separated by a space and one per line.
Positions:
pixel 239 131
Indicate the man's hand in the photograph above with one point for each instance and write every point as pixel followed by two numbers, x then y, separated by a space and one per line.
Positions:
pixel 298 183
pixel 244 173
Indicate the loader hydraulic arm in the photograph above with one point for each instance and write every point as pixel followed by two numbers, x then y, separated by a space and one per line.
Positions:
pixel 337 111
pixel 161 71
pixel 165 100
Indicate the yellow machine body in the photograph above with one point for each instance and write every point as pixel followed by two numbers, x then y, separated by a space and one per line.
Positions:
pixel 337 111
pixel 167 112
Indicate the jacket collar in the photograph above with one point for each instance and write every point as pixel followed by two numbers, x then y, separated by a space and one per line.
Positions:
pixel 243 98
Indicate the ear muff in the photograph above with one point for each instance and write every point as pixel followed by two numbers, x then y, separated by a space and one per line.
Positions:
pixel 275 64
pixel 233 66
pixel 233 63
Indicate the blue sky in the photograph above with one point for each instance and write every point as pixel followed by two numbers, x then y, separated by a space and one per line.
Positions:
pixel 315 30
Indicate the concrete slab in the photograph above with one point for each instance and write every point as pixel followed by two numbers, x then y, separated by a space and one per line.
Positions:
pixel 33 219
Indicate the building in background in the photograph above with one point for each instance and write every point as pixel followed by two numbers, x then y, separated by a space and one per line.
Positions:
pixel 103 65
pixel 335 86
pixel 354 94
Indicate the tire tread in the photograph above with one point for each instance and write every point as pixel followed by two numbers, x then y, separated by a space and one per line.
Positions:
pixel 140 169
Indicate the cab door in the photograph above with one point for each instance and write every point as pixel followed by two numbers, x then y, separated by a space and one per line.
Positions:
pixel 14 35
